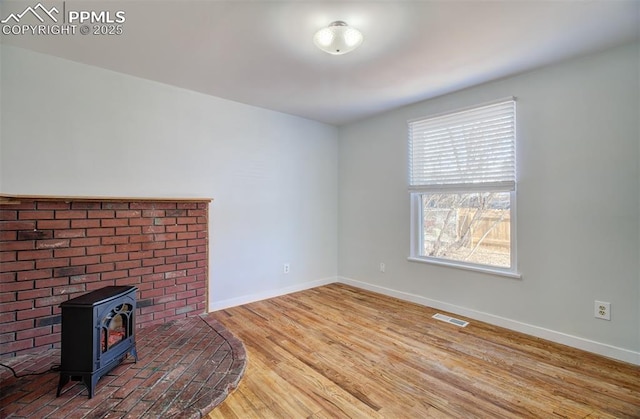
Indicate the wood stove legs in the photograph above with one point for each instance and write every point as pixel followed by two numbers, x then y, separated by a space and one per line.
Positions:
pixel 134 353
pixel 91 379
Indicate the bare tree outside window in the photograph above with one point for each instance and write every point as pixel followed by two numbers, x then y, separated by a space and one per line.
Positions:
pixel 468 227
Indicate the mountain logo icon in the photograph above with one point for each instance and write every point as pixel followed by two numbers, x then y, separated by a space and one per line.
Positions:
pixel 38 11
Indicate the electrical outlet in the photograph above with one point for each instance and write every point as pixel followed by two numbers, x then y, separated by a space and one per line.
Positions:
pixel 382 267
pixel 285 268
pixel 602 310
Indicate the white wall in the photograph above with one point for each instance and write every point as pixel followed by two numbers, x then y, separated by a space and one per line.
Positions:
pixel 72 129
pixel 577 206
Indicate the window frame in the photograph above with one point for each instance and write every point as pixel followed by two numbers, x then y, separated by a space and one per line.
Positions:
pixel 416 216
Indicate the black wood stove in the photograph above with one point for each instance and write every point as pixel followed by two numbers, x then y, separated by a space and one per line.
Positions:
pixel 98 332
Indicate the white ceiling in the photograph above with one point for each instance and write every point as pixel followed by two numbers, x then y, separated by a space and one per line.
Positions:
pixel 261 52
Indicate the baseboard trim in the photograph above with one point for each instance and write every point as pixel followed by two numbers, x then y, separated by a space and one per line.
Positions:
pixel 251 298
pixel 603 349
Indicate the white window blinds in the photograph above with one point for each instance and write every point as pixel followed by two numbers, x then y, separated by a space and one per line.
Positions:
pixel 469 150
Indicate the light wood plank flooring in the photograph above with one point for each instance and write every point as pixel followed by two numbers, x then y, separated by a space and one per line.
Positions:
pixel 338 351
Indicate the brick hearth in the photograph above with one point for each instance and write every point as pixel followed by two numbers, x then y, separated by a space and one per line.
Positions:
pixel 53 249
pixel 186 367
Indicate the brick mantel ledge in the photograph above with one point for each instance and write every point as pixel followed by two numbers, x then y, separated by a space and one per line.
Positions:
pixel 15 199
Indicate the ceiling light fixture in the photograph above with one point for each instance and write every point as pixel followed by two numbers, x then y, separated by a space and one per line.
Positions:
pixel 338 38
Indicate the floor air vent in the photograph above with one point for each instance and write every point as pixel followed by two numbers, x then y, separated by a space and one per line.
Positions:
pixel 451 320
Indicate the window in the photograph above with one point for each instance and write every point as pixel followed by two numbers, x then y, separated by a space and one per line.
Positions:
pixel 462 181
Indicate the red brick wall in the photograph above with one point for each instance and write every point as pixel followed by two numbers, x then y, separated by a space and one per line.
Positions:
pixel 53 250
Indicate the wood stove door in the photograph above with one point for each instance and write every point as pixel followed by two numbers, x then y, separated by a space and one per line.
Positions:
pixel 115 330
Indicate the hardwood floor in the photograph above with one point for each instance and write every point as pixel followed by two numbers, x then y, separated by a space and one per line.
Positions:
pixel 337 351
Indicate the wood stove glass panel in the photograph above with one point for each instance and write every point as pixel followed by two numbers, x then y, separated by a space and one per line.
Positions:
pixel 116 326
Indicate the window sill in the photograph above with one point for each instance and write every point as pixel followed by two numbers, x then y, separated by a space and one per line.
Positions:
pixel 452 264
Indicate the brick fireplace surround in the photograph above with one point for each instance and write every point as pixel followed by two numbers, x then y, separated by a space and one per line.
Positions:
pixel 56 248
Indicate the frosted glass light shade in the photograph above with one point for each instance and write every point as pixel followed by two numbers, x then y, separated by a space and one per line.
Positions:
pixel 338 38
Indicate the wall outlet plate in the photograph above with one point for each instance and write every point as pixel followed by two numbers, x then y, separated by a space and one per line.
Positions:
pixel 602 310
